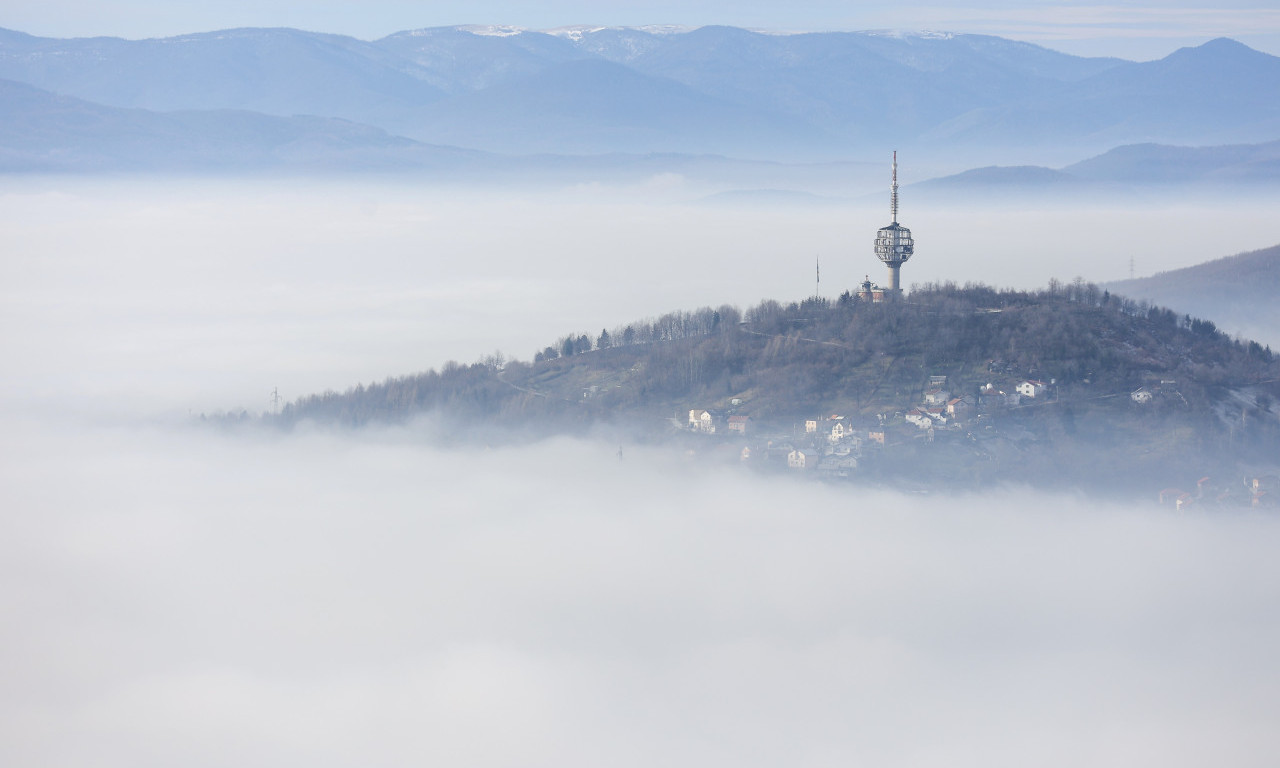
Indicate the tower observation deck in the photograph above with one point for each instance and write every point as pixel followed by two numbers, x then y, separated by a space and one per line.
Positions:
pixel 893 243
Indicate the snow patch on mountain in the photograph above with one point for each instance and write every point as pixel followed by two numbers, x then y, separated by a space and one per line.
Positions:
pixel 573 33
pixel 904 34
pixel 665 29
pixel 492 30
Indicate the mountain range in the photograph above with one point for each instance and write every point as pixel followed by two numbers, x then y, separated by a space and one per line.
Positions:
pixel 575 91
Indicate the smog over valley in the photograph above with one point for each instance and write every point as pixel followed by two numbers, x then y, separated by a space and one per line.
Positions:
pixel 635 384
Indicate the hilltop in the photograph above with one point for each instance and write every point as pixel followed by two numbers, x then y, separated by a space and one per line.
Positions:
pixel 951 387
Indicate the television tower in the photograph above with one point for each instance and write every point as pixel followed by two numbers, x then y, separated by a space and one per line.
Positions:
pixel 893 243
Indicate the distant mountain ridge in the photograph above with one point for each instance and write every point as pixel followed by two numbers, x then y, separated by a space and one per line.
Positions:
pixel 1129 166
pixel 1237 292
pixel 41 131
pixel 710 89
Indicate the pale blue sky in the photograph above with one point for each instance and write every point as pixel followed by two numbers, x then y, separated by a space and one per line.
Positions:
pixel 1139 30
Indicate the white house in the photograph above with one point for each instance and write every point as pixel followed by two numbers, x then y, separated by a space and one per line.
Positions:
pixel 701 421
pixel 919 418
pixel 1031 388
pixel 936 396
pixel 796 459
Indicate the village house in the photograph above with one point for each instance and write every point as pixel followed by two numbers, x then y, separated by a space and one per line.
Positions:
pixel 702 421
pixel 876 436
pixel 991 395
pixel 1031 388
pixel 810 426
pixel 960 407
pixel 796 459
pixel 739 424
pixel 919 417
pixel 936 396
pixel 837 465
pixel 777 452
pixel 1265 490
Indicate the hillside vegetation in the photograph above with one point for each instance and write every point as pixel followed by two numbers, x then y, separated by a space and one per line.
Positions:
pixel 781 365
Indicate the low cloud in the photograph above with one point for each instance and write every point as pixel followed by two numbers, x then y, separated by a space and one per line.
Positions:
pixel 185 596
pixel 173 594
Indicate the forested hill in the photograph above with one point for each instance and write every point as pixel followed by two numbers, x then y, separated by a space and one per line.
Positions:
pixel 872 363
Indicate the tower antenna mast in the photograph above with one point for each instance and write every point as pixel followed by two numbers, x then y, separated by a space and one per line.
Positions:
pixel 893 193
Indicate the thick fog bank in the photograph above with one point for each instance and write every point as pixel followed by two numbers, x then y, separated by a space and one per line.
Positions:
pixel 193 597
pixel 174 595
pixel 206 295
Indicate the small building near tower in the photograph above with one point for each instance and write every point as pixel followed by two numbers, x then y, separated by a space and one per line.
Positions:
pixel 869 292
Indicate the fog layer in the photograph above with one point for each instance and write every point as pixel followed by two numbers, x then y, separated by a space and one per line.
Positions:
pixel 180 597
pixel 177 595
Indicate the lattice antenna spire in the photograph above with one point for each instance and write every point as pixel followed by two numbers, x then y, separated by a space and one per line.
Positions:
pixel 893 194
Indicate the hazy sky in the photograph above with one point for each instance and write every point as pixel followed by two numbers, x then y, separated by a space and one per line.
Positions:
pixel 1138 30
pixel 207 294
